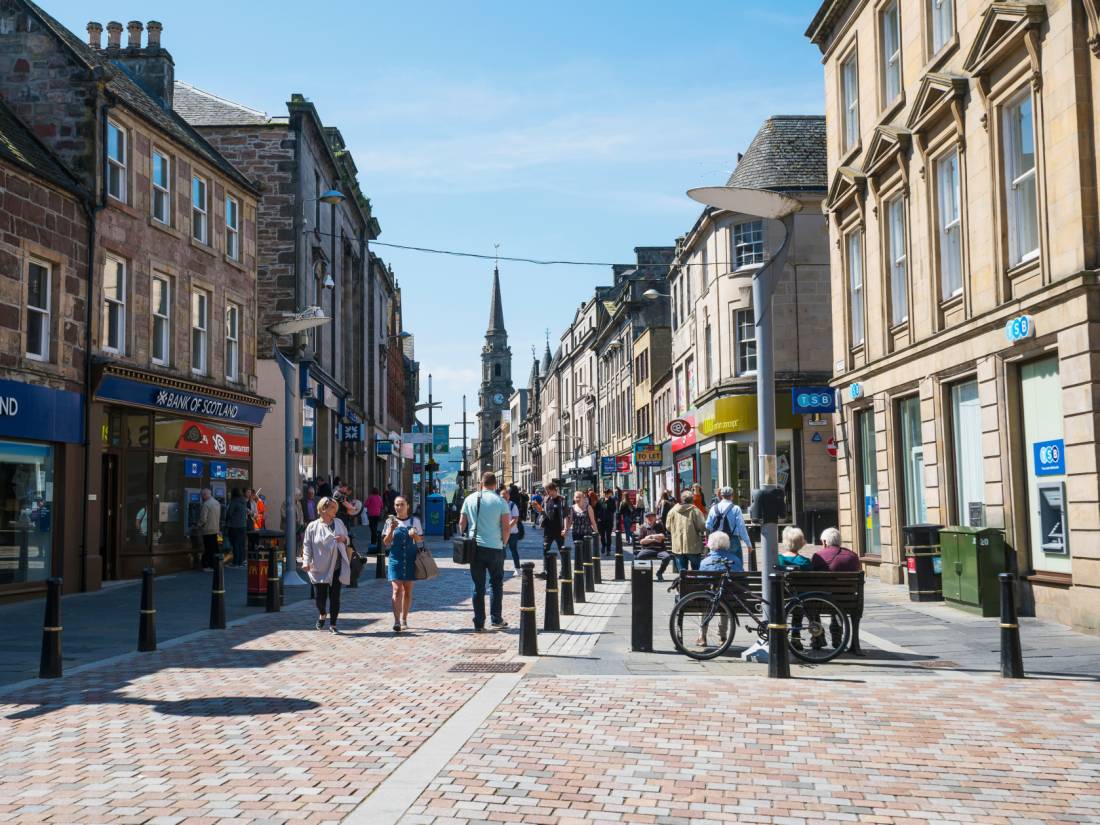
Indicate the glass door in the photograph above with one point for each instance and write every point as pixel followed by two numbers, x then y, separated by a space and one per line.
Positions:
pixel 1041 402
pixel 868 472
pixel 911 457
pixel 966 419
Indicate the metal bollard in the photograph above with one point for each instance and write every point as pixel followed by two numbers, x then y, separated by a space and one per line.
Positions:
pixel 551 620
pixel 565 583
pixel 147 613
pixel 779 665
pixel 579 592
pixel 597 565
pixel 618 543
pixel 528 630
pixel 750 559
pixel 217 595
pixel 49 666
pixel 641 607
pixel 589 573
pixel 620 566
pixel 380 562
pixel 272 604
pixel 1012 658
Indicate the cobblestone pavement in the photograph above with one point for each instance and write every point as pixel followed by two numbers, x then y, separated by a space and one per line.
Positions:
pixel 272 722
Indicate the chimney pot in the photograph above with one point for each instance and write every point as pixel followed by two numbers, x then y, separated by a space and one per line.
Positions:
pixel 95 35
pixel 153 29
pixel 135 28
pixel 114 35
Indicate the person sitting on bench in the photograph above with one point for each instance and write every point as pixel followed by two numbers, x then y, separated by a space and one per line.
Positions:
pixel 652 541
pixel 718 545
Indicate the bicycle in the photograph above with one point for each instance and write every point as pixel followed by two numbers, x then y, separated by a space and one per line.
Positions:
pixel 827 627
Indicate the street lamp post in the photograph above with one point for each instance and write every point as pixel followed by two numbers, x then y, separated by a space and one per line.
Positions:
pixel 762 203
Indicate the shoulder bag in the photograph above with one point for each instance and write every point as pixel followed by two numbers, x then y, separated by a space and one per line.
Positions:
pixel 463 548
pixel 425 565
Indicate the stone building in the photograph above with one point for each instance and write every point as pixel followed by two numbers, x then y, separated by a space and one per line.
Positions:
pixel 496 377
pixel 714 338
pixel 44 249
pixel 172 387
pixel 314 228
pixel 652 360
pixel 963 211
pixel 519 470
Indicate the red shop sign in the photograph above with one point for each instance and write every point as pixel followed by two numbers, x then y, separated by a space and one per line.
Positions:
pixel 204 439
pixel 622 464
pixel 686 428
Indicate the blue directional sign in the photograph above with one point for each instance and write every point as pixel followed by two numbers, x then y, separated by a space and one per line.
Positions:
pixel 1050 457
pixel 809 400
pixel 1019 328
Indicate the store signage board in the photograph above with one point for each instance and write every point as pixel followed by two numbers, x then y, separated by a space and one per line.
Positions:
pixel 192 468
pixel 424 438
pixel 1050 457
pixel 855 392
pixel 607 465
pixel 808 400
pixel 441 438
pixel 219 469
pixel 648 457
pixel 40 413
pixel 351 432
pixel 622 464
pixel 383 448
pixel 170 399
pixel 1020 328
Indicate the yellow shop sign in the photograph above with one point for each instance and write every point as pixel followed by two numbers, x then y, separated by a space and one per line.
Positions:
pixel 737 414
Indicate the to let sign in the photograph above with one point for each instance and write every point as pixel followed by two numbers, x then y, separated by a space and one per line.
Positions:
pixel 1050 457
pixel 810 400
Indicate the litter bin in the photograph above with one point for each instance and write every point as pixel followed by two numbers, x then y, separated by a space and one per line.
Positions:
pixel 437 514
pixel 973 558
pixel 923 565
pixel 260 543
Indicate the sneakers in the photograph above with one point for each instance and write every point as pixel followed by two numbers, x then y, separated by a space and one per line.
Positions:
pixel 397 627
pixel 478 629
pixel 321 623
pixel 333 630
pixel 499 625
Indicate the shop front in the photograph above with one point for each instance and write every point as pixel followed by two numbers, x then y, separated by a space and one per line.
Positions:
pixel 160 442
pixel 41 469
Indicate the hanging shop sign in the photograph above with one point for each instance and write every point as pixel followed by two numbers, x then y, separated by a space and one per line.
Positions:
pixel 648 456
pixel 622 463
pixel 682 431
pixel 170 399
pixel 383 448
pixel 607 465
pixel 809 400
pixel 40 413
pixel 679 427
pixel 441 438
pixel 351 432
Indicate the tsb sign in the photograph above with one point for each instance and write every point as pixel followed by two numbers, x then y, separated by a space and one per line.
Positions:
pixel 1020 328
pixel 809 400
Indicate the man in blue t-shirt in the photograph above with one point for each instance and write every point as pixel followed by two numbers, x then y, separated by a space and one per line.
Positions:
pixel 487 519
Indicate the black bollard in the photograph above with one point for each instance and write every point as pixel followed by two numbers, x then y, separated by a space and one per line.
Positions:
pixel 779 664
pixel 589 572
pixel 579 592
pixel 565 583
pixel 217 596
pixel 551 616
pixel 618 543
pixel 380 562
pixel 597 565
pixel 49 666
pixel 272 603
pixel 147 614
pixel 1012 658
pixel 641 607
pixel 620 566
pixel 528 630
pixel 750 559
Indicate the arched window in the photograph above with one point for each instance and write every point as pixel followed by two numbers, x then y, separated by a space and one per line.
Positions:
pixel 496 370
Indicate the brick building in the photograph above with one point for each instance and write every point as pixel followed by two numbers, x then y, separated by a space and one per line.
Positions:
pixel 172 391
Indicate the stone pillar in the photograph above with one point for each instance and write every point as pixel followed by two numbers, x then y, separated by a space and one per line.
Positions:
pixel 134 28
pixel 95 35
pixel 153 29
pixel 114 35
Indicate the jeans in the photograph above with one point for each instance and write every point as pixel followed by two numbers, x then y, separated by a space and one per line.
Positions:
pixel 329 593
pixel 488 561
pixel 685 561
pixel 605 539
pixel 513 547
pixel 548 542
pixel 238 537
pixel 209 550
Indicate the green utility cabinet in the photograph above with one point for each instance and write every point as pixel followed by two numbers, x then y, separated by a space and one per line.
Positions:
pixel 973 557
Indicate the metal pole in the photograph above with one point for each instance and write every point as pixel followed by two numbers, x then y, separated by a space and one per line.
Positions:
pixel 763 287
pixel 290 537
pixel 465 465
pixel 431 446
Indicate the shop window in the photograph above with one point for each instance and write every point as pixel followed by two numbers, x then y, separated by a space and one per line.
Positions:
pixel 26 512
pixel 1020 192
pixel 1041 408
pixel 898 260
pixel 162 320
pixel 868 477
pixel 911 460
pixel 39 278
pixel 162 188
pixel 114 305
pixel 117 139
pixel 200 319
pixel 966 442
pixel 950 224
pixel 739 473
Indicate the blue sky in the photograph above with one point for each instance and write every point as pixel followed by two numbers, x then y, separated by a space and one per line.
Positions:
pixel 563 130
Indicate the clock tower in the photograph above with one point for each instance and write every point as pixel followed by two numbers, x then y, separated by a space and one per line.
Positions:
pixel 496 378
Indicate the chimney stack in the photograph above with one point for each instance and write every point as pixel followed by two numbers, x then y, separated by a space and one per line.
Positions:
pixel 114 35
pixel 95 35
pixel 153 29
pixel 135 29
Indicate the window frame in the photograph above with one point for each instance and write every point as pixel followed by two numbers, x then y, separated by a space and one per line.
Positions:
pixel 935 27
pixel 890 61
pixel 44 314
pixel 944 228
pixel 1011 147
pixel 200 297
pixel 120 164
pixel 738 233
pixel 849 109
pixel 120 302
pixel 233 230
pixel 204 212
pixel 741 344
pixel 165 336
pixel 853 243
pixel 233 341
pixel 897 260
pixel 155 188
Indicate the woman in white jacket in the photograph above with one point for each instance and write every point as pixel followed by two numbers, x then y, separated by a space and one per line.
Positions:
pixel 325 559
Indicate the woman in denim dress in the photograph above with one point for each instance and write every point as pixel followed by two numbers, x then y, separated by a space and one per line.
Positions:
pixel 403 537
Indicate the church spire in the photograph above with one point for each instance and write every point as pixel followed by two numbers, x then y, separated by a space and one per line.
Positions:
pixel 496 310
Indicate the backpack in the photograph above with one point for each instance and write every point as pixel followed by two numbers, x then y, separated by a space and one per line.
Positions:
pixel 724 525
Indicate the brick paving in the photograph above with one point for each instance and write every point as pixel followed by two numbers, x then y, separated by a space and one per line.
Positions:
pixel 273 722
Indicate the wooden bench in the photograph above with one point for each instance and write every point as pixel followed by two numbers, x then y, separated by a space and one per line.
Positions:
pixel 845 590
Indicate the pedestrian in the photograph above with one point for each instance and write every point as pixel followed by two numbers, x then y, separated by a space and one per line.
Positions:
pixel 210 518
pixel 259 518
pixel 832 556
pixel 697 498
pixel 653 541
pixel 250 503
pixel 605 520
pixel 726 517
pixel 236 525
pixel 351 507
pixel 486 519
pixel 626 517
pixel 310 504
pixel 555 511
pixel 299 515
pixel 325 558
pixel 686 529
pixel 404 537
pixel 582 518
pixel 388 498
pixel 374 507
pixel 666 505
pixel 593 499
pixel 719 556
pixel 513 531
pixel 536 507
pixel 789 556
pixel 324 489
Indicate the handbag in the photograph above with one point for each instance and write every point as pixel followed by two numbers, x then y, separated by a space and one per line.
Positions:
pixel 357 564
pixel 464 548
pixel 425 565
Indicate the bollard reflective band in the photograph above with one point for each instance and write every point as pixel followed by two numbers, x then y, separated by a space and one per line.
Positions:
pixel 52 629
pixel 153 611
pixel 528 608
pixel 218 592
pixel 777 627
pixel 551 590
pixel 566 580
pixel 1009 626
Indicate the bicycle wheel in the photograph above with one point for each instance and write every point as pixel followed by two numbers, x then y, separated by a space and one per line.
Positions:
pixel 700 627
pixel 817 630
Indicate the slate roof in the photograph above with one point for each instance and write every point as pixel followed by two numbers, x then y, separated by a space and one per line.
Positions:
pixel 201 108
pixel 787 155
pixel 131 93
pixel 19 145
